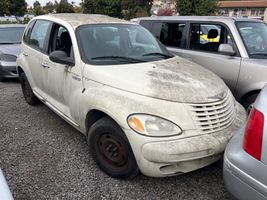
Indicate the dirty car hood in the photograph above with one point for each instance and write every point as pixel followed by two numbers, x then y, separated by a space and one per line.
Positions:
pixel 175 79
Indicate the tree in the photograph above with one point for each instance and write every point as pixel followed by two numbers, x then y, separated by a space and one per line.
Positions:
pixel 104 7
pixel 37 8
pixel 49 7
pixel 196 7
pixel 17 7
pixel 165 11
pixel 4 7
pixel 136 8
pixel 64 7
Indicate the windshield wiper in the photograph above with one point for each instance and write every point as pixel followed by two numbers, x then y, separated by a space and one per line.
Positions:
pixel 157 54
pixel 118 57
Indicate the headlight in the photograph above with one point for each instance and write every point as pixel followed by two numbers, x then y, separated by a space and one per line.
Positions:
pixel 8 58
pixel 152 126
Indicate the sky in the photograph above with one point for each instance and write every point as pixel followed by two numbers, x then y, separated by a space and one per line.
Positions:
pixel 43 2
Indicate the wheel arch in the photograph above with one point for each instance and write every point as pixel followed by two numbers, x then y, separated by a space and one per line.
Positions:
pixel 248 94
pixel 94 115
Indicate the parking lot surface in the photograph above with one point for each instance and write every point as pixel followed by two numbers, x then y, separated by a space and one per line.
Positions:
pixel 43 157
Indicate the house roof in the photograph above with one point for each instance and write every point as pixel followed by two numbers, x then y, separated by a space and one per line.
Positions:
pixel 243 4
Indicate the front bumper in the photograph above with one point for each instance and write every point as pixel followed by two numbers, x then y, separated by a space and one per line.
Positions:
pixel 172 156
pixel 244 177
pixel 8 70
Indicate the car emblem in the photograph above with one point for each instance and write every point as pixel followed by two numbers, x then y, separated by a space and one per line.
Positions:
pixel 218 96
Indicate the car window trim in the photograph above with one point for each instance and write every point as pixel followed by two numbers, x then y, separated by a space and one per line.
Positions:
pixel 45 49
pixel 212 23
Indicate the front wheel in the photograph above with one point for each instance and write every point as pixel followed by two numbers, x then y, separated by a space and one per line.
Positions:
pixel 111 150
pixel 28 94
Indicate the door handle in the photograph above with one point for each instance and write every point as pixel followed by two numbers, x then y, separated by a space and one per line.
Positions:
pixel 25 54
pixel 45 65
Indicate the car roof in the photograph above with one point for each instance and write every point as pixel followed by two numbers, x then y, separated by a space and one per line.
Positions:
pixel 12 25
pixel 75 19
pixel 198 18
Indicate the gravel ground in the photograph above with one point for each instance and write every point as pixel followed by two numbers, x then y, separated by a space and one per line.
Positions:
pixel 43 157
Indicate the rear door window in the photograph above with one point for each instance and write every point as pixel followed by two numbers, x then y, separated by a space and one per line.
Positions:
pixel 39 34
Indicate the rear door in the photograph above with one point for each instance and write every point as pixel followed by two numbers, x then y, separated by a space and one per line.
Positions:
pixel 35 40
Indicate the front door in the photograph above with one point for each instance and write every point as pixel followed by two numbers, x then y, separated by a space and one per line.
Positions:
pixel 202 48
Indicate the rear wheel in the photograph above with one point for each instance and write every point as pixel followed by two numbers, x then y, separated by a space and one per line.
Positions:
pixel 111 150
pixel 28 94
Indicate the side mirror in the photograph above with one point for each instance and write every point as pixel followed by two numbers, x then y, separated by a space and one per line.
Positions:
pixel 61 57
pixel 226 49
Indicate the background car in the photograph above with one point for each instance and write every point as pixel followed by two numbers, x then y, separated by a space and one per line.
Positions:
pixel 245 158
pixel 233 48
pixel 5 193
pixel 10 39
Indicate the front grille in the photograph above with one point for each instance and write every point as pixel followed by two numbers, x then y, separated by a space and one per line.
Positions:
pixel 215 116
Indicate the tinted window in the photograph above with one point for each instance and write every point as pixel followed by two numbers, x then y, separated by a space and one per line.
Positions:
pixel 11 35
pixel 208 37
pixel 146 24
pixel 38 34
pixel 170 34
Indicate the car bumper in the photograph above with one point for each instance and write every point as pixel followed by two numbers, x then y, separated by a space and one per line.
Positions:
pixel 8 70
pixel 4 189
pixel 169 156
pixel 244 177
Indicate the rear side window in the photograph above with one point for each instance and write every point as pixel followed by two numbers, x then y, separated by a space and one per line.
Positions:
pixel 38 34
pixel 146 24
pixel 27 33
pixel 170 34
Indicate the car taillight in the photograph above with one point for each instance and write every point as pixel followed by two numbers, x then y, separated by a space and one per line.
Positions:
pixel 252 142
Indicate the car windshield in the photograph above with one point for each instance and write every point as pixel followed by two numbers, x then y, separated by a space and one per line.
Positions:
pixel 254 35
pixel 108 44
pixel 11 35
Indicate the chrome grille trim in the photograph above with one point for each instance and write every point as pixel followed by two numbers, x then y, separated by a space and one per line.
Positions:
pixel 214 116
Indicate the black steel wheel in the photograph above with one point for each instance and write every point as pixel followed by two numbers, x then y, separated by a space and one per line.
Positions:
pixel 111 149
pixel 28 94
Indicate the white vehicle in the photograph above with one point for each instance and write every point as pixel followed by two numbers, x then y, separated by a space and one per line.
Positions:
pixel 140 107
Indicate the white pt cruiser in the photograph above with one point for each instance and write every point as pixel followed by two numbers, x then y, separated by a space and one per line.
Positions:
pixel 140 107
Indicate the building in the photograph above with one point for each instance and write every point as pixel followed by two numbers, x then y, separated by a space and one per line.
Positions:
pixel 244 8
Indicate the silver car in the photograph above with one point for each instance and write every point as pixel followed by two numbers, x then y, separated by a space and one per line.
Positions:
pixel 233 48
pixel 245 158
pixel 5 193
pixel 10 39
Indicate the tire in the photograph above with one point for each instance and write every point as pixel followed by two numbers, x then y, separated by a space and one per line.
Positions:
pixel 28 94
pixel 249 101
pixel 2 79
pixel 111 150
